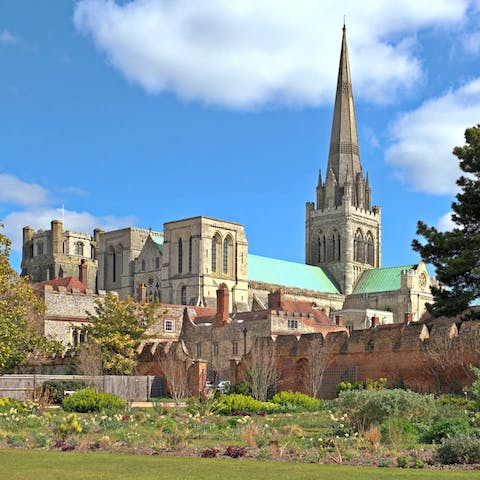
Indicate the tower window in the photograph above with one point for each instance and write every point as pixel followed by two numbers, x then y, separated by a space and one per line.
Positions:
pixel 180 255
pixel 157 263
pixel 183 295
pixel 79 249
pixel 143 265
pixel 215 243
pixel 190 253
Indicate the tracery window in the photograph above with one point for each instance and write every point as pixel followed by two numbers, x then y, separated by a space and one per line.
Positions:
pixel 180 255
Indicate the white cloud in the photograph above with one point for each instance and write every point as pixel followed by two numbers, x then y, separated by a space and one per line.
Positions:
pixel 423 139
pixel 37 211
pixel 8 38
pixel 18 192
pixel 247 53
pixel 445 223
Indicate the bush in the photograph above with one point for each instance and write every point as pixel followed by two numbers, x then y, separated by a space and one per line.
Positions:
pixel 396 430
pixel 456 402
pixel 459 449
pixel 297 402
pixel 365 408
pixel 446 427
pixel 89 400
pixel 56 388
pixel 235 452
pixel 235 402
pixel 7 404
pixel 367 384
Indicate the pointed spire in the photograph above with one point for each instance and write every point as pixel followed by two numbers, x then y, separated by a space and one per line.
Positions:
pixel 344 157
pixel 320 183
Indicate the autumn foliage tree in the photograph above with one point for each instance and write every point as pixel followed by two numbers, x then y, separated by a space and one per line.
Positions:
pixel 118 327
pixel 20 314
pixel 455 254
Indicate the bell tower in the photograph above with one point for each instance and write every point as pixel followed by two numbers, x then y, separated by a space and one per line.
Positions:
pixel 343 230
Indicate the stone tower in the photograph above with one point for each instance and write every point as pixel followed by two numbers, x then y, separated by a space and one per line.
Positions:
pixel 343 230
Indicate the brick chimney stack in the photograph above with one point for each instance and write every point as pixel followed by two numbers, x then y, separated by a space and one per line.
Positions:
pixel 222 316
pixel 375 322
pixel 339 320
pixel 82 272
pixel 276 300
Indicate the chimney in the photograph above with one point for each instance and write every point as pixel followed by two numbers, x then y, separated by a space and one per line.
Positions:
pixel 82 272
pixel 407 318
pixel 142 293
pixel 375 322
pixel 222 317
pixel 339 320
pixel 96 240
pixel 275 300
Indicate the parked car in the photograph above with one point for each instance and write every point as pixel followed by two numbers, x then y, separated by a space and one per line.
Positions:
pixel 224 386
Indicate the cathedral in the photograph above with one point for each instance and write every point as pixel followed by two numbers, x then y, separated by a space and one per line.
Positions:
pixel 187 262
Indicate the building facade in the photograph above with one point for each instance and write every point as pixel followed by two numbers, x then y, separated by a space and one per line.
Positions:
pixel 187 262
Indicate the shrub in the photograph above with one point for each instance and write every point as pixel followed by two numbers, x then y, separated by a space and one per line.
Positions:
pixel 7 404
pixel 89 400
pixel 234 452
pixel 367 384
pixel 402 461
pixel 457 402
pixel 56 388
pixel 237 402
pixel 209 453
pixel 475 387
pixel 297 401
pixel 446 427
pixel 396 430
pixel 371 407
pixel 459 449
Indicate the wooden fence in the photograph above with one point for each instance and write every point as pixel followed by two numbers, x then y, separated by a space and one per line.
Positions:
pixel 131 388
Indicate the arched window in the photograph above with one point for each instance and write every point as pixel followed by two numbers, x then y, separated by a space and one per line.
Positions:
pixel 183 295
pixel 180 255
pixel 322 248
pixel 114 266
pixel 358 247
pixel 370 250
pixel 79 249
pixel 333 248
pixel 190 253
pixel 339 244
pixel 215 243
pixel 227 251
pixel 143 265
pixel 157 263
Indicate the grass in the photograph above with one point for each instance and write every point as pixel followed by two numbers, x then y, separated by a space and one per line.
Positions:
pixel 50 465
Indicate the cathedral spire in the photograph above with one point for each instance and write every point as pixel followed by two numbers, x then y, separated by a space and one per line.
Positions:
pixel 344 157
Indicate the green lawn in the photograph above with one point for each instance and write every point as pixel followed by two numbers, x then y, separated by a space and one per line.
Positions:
pixel 46 465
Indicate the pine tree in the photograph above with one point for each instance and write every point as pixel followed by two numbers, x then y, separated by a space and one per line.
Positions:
pixel 455 254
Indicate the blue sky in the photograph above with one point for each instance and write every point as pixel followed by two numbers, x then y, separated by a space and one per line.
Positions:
pixel 134 113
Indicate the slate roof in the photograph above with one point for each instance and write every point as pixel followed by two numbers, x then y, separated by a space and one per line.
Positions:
pixel 290 274
pixel 381 279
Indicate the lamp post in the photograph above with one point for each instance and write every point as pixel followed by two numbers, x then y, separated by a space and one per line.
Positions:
pixel 244 330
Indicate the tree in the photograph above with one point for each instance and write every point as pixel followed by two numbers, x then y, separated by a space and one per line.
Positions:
pixel 261 368
pixel 118 327
pixel 318 357
pixel 176 374
pixel 20 315
pixel 455 254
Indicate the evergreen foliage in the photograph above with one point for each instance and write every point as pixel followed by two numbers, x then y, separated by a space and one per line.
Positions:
pixel 455 254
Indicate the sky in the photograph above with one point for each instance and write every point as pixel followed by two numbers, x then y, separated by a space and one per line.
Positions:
pixel 136 113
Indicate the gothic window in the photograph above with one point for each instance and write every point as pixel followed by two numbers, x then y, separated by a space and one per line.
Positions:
pixel 190 253
pixel 225 256
pixel 157 263
pixel 358 247
pixel 180 255
pixel 114 266
pixel 339 256
pixel 370 251
pixel 183 295
pixel 322 248
pixel 79 249
pixel 143 265
pixel 215 245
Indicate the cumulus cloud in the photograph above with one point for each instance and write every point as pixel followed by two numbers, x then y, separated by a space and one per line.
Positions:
pixel 445 223
pixel 17 192
pixel 254 52
pixel 33 206
pixel 423 139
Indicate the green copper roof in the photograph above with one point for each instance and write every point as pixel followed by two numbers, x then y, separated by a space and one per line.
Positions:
pixel 381 279
pixel 158 240
pixel 290 274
